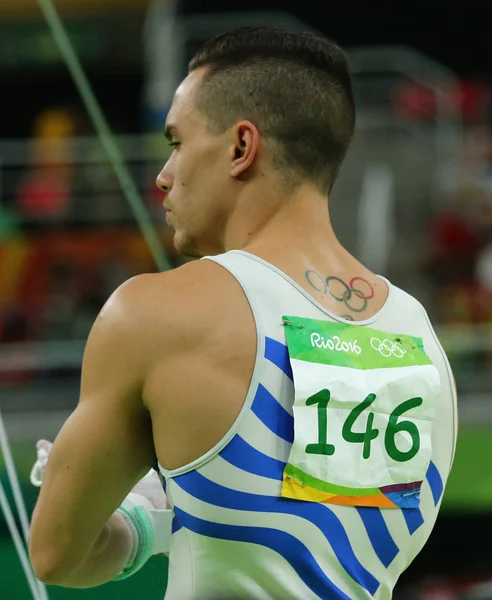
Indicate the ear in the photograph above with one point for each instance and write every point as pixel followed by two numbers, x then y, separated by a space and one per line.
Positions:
pixel 245 150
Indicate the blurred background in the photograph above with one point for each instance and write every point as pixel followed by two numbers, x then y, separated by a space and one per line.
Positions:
pixel 413 202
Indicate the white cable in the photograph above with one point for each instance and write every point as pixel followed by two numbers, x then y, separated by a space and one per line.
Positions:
pixel 13 479
pixel 21 550
pixel 17 493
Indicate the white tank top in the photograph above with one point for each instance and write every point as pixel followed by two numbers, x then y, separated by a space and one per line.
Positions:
pixel 235 537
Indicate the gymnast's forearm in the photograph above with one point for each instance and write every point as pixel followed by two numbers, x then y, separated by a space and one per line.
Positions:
pixel 107 559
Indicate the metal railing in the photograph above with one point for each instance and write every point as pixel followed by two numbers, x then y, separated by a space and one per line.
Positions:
pixel 93 194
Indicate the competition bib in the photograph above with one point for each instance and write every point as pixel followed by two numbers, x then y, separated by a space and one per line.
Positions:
pixel 364 407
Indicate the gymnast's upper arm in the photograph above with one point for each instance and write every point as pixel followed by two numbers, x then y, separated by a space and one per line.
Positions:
pixel 106 445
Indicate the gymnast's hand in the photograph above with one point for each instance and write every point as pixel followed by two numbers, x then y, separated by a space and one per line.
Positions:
pixel 150 488
pixel 43 449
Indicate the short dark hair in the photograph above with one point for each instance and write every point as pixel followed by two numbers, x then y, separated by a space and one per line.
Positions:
pixel 295 87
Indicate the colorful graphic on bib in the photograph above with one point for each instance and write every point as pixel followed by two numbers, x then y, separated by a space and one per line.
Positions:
pixel 301 486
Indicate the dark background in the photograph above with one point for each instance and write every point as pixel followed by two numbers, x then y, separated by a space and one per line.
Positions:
pixel 459 36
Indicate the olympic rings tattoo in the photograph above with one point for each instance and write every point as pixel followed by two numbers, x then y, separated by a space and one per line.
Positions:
pixel 332 284
pixel 323 283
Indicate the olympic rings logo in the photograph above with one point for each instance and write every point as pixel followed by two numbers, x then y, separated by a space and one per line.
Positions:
pixel 387 348
pixel 340 291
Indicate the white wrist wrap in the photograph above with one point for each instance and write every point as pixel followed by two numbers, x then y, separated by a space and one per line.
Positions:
pixel 152 529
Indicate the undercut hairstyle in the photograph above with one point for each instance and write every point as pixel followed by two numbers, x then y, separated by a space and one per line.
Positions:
pixel 294 87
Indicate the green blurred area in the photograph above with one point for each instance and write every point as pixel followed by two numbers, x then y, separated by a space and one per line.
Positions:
pixel 148 584
pixel 469 487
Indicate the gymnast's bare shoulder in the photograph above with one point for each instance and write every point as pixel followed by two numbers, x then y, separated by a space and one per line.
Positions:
pixel 187 340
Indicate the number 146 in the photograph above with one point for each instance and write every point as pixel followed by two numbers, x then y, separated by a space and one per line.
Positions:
pixel 322 399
